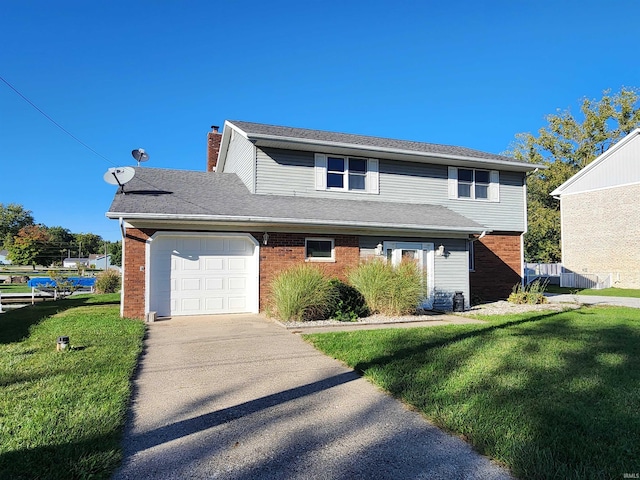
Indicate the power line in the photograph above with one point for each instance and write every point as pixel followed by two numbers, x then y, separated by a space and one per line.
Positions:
pixel 38 109
pixel 54 122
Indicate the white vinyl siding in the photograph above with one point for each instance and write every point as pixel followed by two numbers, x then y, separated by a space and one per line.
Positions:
pixel 241 160
pixel 291 172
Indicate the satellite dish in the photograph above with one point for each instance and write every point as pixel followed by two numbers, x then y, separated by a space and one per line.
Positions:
pixel 119 176
pixel 140 155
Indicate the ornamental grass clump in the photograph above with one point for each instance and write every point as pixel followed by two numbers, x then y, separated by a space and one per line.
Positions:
pixel 387 289
pixel 302 293
pixel 531 294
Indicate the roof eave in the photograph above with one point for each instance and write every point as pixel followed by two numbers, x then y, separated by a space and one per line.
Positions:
pixel 599 159
pixel 240 220
pixel 264 139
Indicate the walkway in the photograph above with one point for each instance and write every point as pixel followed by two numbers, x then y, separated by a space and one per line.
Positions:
pixel 239 397
pixel 593 300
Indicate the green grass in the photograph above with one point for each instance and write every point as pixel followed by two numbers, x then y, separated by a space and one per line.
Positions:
pixel 553 395
pixel 62 413
pixel 605 292
pixel 15 288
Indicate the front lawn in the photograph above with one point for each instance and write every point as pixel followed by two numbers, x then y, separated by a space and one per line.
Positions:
pixel 550 395
pixel 14 288
pixel 62 413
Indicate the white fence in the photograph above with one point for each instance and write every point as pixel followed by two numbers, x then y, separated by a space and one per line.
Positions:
pixel 586 280
pixel 543 269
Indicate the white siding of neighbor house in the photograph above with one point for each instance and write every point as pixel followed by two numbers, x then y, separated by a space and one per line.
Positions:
pixel 620 167
pixel 288 172
pixel 451 273
pixel 241 160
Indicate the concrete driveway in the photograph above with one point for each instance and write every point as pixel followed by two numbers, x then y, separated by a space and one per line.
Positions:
pixel 593 300
pixel 239 397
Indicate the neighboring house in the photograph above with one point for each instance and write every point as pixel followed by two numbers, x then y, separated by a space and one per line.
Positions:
pixel 75 262
pixel 600 216
pixel 100 261
pixel 272 197
pixel 3 258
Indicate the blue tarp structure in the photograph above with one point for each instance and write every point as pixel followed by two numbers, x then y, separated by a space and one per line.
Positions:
pixel 46 282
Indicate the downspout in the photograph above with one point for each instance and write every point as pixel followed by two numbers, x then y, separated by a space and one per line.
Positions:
pixel 124 234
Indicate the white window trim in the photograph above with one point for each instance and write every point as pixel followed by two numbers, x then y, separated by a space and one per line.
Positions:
pixel 331 259
pixel 494 185
pixel 372 177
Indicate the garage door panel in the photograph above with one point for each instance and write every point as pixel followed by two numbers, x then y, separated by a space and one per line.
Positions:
pixel 214 284
pixel 237 264
pixel 203 275
pixel 214 246
pixel 214 304
pixel 237 303
pixel 237 283
pixel 191 284
pixel 213 264
pixel 190 305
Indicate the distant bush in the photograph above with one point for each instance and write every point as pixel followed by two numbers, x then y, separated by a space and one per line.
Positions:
pixel 302 293
pixel 387 289
pixel 108 281
pixel 531 294
pixel 349 304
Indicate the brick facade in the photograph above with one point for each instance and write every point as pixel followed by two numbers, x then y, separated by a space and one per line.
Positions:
pixel 213 148
pixel 498 260
pixel 601 234
pixel 282 251
pixel 134 272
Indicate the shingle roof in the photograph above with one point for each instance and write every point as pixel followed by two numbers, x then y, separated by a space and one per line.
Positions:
pixel 252 129
pixel 209 196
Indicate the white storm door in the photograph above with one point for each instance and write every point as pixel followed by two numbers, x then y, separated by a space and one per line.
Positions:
pixel 423 255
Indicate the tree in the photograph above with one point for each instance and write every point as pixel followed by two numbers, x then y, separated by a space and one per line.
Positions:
pixel 115 250
pixel 30 246
pixel 60 243
pixel 565 145
pixel 88 243
pixel 12 218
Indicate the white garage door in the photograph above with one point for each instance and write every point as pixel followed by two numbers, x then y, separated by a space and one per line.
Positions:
pixel 200 275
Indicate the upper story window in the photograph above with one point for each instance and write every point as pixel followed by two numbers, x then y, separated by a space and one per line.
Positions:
pixel 474 184
pixel 349 174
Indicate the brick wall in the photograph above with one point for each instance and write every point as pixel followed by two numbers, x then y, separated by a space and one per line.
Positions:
pixel 284 250
pixel 134 277
pixel 497 266
pixel 601 234
pixel 213 148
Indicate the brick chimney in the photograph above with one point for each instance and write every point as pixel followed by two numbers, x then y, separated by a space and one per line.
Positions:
pixel 213 148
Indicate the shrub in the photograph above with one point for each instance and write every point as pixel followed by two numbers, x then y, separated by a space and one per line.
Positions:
pixel 108 281
pixel 349 304
pixel 302 293
pixel 389 290
pixel 532 294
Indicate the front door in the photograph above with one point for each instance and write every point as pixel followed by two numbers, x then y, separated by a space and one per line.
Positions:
pixel 422 254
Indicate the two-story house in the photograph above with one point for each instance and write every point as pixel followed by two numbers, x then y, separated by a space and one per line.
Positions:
pixel 212 241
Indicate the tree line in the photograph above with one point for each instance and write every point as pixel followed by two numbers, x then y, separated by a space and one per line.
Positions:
pixel 568 143
pixel 34 244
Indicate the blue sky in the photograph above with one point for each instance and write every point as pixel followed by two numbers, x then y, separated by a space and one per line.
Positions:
pixel 157 74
